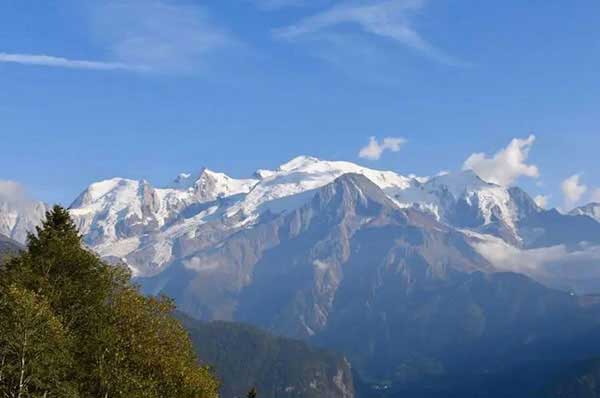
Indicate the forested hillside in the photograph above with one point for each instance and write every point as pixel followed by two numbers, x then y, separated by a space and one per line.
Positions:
pixel 244 357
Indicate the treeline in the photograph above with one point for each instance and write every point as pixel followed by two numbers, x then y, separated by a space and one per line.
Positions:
pixel 73 326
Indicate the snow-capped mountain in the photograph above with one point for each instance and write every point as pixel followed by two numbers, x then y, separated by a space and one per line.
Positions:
pixel 17 218
pixel 151 228
pixel 386 285
pixel 146 226
pixel 464 200
pixel 591 210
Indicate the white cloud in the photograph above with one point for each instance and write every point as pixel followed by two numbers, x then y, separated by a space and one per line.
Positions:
pixel 373 150
pixel 160 35
pixel 595 197
pixel 389 19
pixel 542 200
pixel 49 60
pixel 12 192
pixel 573 190
pixel 506 165
pixel 15 196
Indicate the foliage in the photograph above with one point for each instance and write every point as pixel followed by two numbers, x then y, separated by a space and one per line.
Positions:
pixel 72 325
pixel 34 347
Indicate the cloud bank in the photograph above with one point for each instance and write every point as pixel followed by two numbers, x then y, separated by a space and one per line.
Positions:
pixel 568 268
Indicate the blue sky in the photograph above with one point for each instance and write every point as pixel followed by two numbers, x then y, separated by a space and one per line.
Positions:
pixel 148 89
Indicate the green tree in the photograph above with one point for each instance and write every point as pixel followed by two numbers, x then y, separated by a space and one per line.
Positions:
pixel 34 347
pixel 152 354
pixel 252 393
pixel 121 344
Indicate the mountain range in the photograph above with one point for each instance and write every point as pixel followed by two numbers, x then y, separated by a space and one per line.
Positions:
pixel 422 282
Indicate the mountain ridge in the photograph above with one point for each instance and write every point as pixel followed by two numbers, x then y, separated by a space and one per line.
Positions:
pixel 114 229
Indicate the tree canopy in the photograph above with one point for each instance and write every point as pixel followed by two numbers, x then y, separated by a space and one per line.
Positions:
pixel 72 325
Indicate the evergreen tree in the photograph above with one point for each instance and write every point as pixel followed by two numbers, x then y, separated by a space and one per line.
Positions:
pixel 252 393
pixel 110 341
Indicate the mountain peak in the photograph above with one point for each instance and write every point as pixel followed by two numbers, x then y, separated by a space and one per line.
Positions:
pixel 99 189
pixel 460 182
pixel 355 188
pixel 298 162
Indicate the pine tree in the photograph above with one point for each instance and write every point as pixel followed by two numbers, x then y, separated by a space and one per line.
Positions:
pixel 252 393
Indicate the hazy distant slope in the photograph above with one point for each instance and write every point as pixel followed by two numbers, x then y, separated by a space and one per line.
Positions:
pixel 9 246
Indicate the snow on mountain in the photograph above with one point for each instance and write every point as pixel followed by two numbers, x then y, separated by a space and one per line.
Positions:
pixel 119 208
pixel 118 216
pixel 464 200
pixel 151 228
pixel 591 210
pixel 125 218
pixel 146 226
pixel 19 218
pixel 278 190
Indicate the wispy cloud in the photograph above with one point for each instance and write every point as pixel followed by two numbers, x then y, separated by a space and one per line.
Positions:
pixel 60 62
pixel 506 165
pixel 160 35
pixel 374 149
pixel 270 5
pixel 389 19
pixel 138 35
